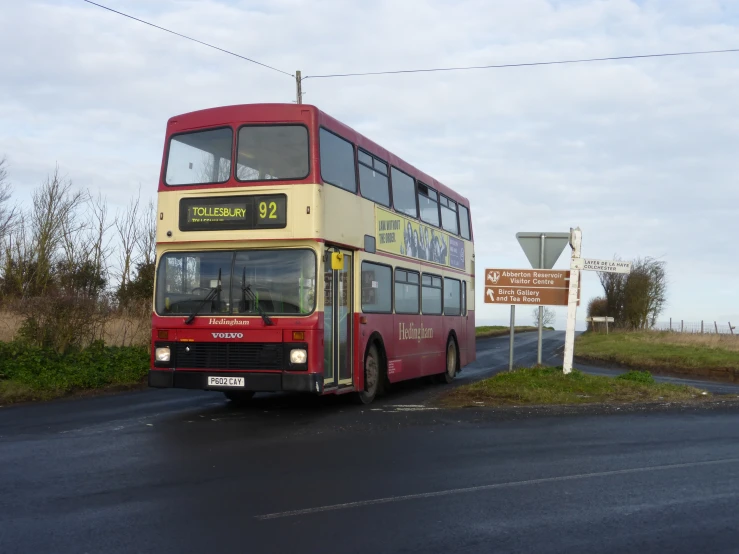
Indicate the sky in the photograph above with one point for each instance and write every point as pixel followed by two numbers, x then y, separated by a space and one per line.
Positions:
pixel 641 155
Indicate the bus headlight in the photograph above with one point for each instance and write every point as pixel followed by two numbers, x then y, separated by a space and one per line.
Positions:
pixel 298 356
pixel 162 354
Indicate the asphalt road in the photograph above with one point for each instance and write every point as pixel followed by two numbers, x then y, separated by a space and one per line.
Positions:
pixel 182 471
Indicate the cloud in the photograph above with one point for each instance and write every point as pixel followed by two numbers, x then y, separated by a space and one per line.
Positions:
pixel 639 154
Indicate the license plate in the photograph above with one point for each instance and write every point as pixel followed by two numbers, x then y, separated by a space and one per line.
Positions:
pixel 225 381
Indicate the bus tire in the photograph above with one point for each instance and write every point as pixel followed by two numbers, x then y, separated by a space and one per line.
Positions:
pixel 373 375
pixel 239 398
pixel 452 362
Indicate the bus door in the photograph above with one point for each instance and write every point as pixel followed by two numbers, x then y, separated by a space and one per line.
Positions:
pixel 338 317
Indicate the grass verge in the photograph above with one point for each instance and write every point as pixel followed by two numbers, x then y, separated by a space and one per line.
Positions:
pixel 703 355
pixel 29 373
pixel 549 386
pixel 486 331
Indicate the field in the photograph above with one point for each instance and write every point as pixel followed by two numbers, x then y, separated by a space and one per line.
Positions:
pixel 712 356
pixel 119 331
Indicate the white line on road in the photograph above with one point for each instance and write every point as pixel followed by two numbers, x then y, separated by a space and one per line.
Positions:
pixel 449 492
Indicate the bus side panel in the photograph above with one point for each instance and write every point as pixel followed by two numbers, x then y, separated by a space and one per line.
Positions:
pixel 403 347
pixel 432 350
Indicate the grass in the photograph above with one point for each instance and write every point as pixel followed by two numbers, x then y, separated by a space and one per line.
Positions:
pixel 29 373
pixel 549 386
pixel 687 353
pixel 501 330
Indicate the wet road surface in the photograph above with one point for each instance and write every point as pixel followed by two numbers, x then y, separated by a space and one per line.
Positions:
pixel 183 471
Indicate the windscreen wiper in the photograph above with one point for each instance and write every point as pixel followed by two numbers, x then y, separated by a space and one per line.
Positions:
pixel 214 291
pixel 246 289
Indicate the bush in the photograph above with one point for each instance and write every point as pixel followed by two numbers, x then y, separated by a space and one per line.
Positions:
pixel 97 366
pixel 597 307
pixel 637 377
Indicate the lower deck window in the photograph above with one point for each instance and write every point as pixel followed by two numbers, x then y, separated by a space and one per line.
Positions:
pixel 406 292
pixel 431 294
pixel 377 288
pixel 452 297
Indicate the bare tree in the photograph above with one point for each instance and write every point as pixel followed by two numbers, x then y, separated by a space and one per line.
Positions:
pixel 128 229
pixel 137 231
pixel 147 242
pixel 548 317
pixel 56 266
pixel 7 215
pixel 54 221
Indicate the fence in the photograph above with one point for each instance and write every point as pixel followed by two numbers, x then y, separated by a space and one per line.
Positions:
pixel 701 327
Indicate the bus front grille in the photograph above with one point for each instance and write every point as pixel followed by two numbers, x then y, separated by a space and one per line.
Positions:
pixel 228 355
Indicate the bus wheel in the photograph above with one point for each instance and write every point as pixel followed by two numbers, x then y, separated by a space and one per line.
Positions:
pixel 451 362
pixel 372 375
pixel 240 398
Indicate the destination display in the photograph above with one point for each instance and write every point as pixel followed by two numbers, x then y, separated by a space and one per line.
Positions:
pixel 266 211
pixel 403 236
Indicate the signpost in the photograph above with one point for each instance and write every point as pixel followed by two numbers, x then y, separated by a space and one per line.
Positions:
pixel 600 319
pixel 577 263
pixel 543 286
pixel 542 250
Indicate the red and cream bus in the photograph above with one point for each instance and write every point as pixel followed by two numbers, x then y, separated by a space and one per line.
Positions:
pixel 295 254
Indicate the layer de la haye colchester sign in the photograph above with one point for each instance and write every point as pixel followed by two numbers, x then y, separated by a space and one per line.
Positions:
pixel 608 266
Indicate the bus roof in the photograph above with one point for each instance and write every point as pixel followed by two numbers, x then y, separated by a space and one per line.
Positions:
pixel 223 115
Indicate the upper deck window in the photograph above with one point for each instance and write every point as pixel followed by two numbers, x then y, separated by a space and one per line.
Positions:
pixel 199 157
pixel 272 152
pixel 428 201
pixel 449 215
pixel 464 221
pixel 373 181
pixel 404 193
pixel 337 161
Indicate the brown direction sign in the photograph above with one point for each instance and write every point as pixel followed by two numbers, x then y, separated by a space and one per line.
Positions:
pixel 537 278
pixel 525 295
pixel 532 287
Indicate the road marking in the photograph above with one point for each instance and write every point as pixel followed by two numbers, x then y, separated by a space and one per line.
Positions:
pixel 408 408
pixel 493 486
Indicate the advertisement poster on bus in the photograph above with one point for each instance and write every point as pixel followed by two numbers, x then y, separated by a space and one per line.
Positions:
pixel 397 234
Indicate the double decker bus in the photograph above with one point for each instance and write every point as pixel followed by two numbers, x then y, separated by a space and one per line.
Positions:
pixel 295 254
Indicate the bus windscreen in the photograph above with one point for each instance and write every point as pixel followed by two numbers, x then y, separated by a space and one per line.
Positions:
pixel 276 282
pixel 272 152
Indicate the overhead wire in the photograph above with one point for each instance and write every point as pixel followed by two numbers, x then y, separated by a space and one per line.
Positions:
pixel 189 38
pixel 524 64
pixel 421 70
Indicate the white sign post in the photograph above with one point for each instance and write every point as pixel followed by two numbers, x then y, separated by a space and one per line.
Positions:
pixel 576 243
pixel 576 265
